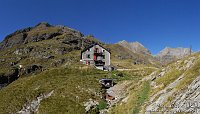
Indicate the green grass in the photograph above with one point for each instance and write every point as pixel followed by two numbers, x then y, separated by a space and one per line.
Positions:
pixel 37 31
pixel 190 75
pixel 67 83
pixel 143 95
pixel 169 77
pixel 136 99
pixel 102 105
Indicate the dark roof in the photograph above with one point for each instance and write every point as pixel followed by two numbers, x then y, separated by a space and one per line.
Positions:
pixel 94 45
pixel 108 79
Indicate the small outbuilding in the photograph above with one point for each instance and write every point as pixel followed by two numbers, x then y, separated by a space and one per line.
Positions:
pixel 107 83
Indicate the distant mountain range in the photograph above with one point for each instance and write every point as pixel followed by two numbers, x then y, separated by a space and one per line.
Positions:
pixel 165 56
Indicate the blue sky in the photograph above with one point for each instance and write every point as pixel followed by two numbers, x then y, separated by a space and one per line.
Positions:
pixel 154 23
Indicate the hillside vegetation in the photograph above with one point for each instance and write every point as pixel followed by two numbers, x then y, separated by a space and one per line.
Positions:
pixel 41 73
pixel 175 86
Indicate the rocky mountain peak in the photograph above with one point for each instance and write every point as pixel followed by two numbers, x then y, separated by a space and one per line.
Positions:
pixel 135 47
pixel 177 52
pixel 43 24
pixel 169 54
pixel 41 31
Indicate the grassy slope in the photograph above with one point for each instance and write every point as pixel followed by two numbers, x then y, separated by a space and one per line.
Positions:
pixel 64 82
pixel 67 83
pixel 191 74
pixel 174 72
pixel 137 93
pixel 118 51
pixel 140 92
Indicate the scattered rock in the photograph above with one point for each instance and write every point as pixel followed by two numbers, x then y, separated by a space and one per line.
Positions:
pixel 33 106
pixel 90 105
pixel 187 101
pixel 58 62
pixel 162 96
pixel 187 64
pixel 117 92
pixel 30 69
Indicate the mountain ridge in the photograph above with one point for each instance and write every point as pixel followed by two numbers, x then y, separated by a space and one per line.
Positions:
pixel 136 47
pixel 169 54
pixel 165 56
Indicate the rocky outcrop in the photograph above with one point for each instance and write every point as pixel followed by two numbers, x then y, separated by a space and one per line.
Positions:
pixel 90 105
pixel 180 95
pixel 184 101
pixel 162 97
pixel 8 77
pixel 168 55
pixel 14 73
pixel 33 106
pixel 135 47
pixel 32 68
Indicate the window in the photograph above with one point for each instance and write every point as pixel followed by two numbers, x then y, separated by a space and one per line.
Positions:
pixel 96 50
pixel 89 49
pixel 103 56
pixel 88 56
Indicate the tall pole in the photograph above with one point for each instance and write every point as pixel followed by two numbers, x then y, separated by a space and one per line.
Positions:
pixel 82 43
pixel 190 49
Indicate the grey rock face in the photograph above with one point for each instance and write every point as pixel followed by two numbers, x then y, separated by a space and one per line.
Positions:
pixel 170 54
pixel 135 47
pixel 189 100
pixel 186 101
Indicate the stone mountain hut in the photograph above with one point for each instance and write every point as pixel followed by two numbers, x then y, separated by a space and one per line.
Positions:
pixel 96 55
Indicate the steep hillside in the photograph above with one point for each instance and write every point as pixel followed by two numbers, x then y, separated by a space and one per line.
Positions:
pixel 122 57
pixel 44 46
pixel 40 71
pixel 176 87
pixel 172 89
pixel 39 48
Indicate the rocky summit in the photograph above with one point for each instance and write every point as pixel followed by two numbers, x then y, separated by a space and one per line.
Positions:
pixel 41 31
pixel 164 57
pixel 135 47
pixel 168 54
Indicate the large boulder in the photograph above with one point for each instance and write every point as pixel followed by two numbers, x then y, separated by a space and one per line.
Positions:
pixel 9 76
pixel 33 68
pixel 30 69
